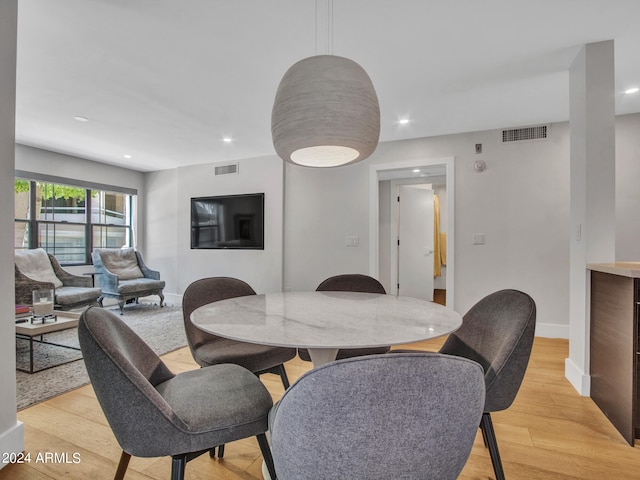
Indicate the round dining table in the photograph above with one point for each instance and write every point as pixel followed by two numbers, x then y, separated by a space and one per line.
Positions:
pixel 324 322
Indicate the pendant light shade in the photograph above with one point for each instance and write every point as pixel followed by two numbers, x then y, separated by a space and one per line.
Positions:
pixel 325 113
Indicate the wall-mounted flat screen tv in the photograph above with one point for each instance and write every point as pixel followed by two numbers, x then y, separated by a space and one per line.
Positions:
pixel 230 221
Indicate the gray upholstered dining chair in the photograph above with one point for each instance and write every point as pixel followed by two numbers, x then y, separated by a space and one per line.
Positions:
pixel 154 412
pixel 349 282
pixel 208 349
pixel 497 332
pixel 424 408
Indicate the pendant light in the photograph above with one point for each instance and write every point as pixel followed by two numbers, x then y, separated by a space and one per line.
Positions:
pixel 325 113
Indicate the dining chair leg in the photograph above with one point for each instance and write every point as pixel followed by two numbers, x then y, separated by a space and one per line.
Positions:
pixel 283 376
pixel 212 452
pixel 122 466
pixel 484 436
pixel 492 444
pixel 178 464
pixel 266 455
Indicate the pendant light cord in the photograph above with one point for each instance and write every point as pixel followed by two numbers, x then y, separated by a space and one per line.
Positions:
pixel 324 32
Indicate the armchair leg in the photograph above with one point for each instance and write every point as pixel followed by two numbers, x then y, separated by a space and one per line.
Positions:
pixel 122 466
pixel 266 455
pixel 161 299
pixel 490 437
pixel 121 305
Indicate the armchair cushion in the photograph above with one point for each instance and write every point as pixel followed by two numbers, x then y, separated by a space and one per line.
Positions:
pixel 139 285
pixel 122 263
pixel 36 265
pixel 68 297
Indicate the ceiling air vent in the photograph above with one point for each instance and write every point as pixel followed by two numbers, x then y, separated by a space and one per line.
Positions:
pixel 538 132
pixel 226 169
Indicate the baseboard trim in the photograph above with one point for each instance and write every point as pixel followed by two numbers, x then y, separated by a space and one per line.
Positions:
pixel 580 381
pixel 552 330
pixel 12 440
pixel 173 299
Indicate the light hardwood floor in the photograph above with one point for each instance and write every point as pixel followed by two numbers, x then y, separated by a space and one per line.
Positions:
pixel 550 432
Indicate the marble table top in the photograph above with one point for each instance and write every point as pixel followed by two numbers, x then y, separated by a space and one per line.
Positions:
pixel 322 320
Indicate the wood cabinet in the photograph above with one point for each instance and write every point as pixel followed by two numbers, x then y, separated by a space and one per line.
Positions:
pixel 614 345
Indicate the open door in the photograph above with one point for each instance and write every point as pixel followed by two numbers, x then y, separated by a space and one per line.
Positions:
pixel 415 241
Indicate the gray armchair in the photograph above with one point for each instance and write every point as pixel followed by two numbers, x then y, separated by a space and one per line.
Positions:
pixel 349 282
pixel 121 274
pixel 422 409
pixel 36 270
pixel 154 412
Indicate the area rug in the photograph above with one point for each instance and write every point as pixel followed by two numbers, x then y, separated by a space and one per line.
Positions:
pixel 161 328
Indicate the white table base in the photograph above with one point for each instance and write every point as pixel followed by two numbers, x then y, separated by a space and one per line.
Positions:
pixel 320 356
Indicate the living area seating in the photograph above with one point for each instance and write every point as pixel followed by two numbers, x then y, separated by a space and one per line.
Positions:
pixel 121 274
pixel 36 269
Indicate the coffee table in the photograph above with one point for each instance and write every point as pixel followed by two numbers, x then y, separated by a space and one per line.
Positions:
pixel 31 331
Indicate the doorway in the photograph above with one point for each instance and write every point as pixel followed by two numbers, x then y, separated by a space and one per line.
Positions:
pixel 416 171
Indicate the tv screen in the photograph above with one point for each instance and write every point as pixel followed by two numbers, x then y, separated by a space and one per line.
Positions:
pixel 230 221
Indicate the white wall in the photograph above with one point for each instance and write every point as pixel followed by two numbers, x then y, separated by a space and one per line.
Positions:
pixel 627 191
pixel 168 196
pixel 322 207
pixel 520 203
pixel 160 227
pixel 11 431
pixel 384 234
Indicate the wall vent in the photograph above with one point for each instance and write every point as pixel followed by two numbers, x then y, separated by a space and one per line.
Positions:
pixel 538 132
pixel 226 169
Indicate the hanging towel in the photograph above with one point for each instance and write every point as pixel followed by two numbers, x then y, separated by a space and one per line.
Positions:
pixel 437 247
pixel 443 248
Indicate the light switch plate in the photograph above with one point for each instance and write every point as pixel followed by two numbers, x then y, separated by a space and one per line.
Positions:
pixel 352 240
pixel 478 238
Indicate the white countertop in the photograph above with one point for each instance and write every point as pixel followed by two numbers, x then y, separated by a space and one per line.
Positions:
pixel 624 269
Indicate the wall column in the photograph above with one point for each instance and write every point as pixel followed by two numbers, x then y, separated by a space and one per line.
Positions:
pixel 11 431
pixel 592 158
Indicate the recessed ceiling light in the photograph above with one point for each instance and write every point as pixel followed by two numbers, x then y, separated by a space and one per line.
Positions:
pixel 632 90
pixel 417 170
pixel 403 121
pixel 126 155
pixel 227 140
pixel 80 118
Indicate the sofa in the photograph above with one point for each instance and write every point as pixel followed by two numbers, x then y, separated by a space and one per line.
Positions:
pixel 122 274
pixel 37 270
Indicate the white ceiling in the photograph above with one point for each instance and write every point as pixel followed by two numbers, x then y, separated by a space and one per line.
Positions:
pixel 166 80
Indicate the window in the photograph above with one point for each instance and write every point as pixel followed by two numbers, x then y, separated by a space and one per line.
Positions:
pixel 69 221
